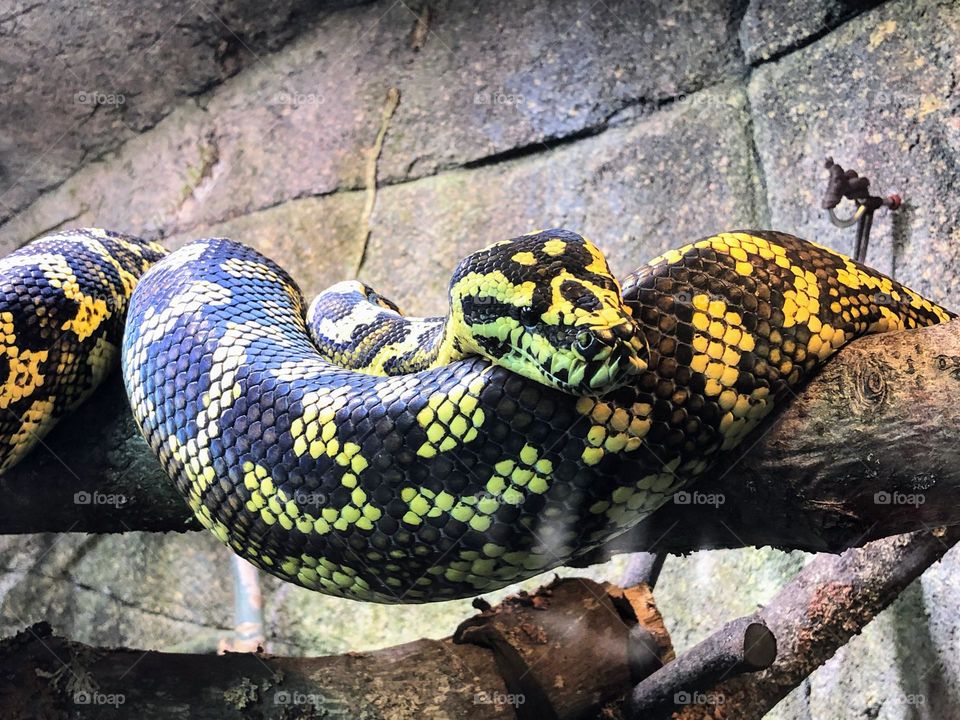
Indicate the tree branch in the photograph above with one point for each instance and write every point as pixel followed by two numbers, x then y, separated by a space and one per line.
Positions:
pixel 571 650
pixel 868 449
pixel 744 645
pixel 561 653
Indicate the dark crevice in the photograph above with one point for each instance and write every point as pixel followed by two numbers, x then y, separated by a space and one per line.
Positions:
pixel 738 12
pixel 830 25
pixel 760 204
pixel 633 109
pixel 20 12
pixel 533 148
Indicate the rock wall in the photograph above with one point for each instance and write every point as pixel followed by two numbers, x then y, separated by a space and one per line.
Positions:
pixel 79 79
pixel 640 124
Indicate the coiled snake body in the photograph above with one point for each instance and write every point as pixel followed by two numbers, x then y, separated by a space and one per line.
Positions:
pixel 384 459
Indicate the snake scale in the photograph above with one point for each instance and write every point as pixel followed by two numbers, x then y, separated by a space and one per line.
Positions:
pixel 355 451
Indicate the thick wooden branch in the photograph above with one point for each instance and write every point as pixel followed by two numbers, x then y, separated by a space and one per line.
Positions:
pixel 93 473
pixel 868 449
pixel 571 650
pixel 561 653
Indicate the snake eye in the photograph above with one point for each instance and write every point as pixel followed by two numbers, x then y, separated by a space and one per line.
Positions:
pixel 529 317
pixel 585 342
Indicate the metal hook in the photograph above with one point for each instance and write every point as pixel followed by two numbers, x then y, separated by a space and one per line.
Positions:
pixel 849 184
pixel 846 222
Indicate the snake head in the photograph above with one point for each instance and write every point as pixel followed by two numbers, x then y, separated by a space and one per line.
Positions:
pixel 546 306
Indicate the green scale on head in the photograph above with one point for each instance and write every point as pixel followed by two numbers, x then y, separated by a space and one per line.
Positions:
pixel 545 306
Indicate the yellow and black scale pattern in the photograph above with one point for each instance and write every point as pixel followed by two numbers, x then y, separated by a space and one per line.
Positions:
pixel 457 479
pixel 355 327
pixel 63 300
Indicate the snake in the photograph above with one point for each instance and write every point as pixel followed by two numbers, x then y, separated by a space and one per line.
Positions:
pixel 351 449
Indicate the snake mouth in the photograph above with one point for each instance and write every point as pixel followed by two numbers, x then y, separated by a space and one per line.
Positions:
pixel 596 378
pixel 612 356
pixel 614 373
pixel 611 367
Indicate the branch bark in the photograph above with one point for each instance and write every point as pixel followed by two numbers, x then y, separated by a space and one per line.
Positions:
pixel 868 449
pixel 561 653
pixel 742 646
pixel 93 473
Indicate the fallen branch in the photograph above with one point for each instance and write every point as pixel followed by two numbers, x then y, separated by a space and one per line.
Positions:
pixel 560 653
pixel 817 612
pixel 744 645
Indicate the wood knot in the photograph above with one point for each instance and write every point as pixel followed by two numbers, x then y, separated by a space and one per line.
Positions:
pixel 869 383
pixel 949 364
